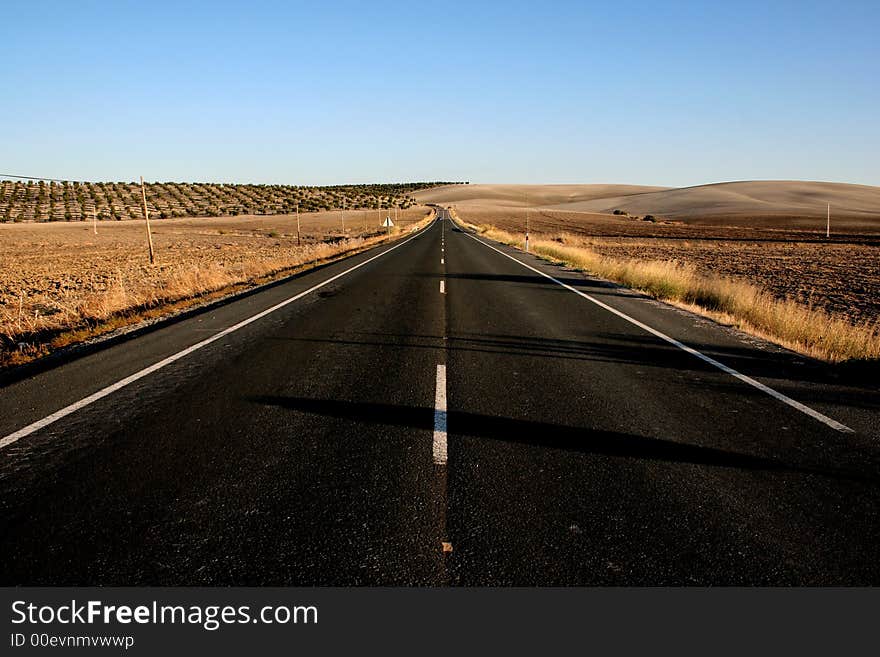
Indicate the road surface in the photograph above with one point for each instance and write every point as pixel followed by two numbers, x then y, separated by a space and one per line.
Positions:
pixel 441 411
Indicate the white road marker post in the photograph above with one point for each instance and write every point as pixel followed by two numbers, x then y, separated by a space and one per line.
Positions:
pixel 298 234
pixel 95 221
pixel 527 223
pixel 828 223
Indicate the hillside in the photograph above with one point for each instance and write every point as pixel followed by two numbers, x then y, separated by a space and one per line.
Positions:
pixel 533 195
pixel 75 201
pixel 757 203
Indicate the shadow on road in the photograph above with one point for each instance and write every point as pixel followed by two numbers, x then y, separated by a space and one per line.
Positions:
pixel 590 285
pixel 779 369
pixel 555 436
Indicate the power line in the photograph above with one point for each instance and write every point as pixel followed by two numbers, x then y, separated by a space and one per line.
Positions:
pixel 11 175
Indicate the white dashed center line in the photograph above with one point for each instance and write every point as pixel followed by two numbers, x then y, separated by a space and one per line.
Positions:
pixel 440 417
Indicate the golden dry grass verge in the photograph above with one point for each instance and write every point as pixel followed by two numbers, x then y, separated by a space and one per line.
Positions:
pixel 747 307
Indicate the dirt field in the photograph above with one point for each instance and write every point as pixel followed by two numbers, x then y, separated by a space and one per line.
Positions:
pixel 841 275
pixel 60 275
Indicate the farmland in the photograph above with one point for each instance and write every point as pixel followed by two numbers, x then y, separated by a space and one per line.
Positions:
pixel 68 281
pixel 63 282
pixel 78 201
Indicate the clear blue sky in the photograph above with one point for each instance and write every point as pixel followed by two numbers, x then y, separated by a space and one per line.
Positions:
pixel 316 93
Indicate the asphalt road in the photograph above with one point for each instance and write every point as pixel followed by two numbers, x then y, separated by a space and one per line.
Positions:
pixel 440 414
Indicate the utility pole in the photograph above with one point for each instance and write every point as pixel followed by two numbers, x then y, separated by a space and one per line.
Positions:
pixel 95 221
pixel 147 220
pixel 828 223
pixel 298 235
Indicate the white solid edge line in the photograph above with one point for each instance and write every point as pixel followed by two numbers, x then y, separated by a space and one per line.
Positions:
pixel 806 410
pixel 100 394
pixel 439 445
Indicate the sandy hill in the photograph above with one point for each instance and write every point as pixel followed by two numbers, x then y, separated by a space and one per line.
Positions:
pixel 777 202
pixel 534 195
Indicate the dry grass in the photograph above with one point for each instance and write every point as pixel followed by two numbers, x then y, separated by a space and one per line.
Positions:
pixel 805 329
pixel 63 284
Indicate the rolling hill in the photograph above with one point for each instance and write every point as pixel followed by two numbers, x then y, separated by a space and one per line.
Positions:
pixel 767 203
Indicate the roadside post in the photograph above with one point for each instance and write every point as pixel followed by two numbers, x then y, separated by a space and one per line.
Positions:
pixel 527 230
pixel 147 220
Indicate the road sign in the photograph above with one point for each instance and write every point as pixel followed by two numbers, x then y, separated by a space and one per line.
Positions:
pixel 388 223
